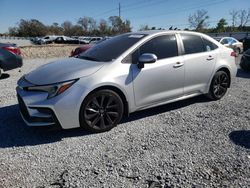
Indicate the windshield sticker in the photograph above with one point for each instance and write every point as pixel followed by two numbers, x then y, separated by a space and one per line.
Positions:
pixel 135 36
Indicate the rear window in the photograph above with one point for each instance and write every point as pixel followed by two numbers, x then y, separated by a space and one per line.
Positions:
pixel 192 43
pixel 208 45
pixel 111 49
pixel 197 44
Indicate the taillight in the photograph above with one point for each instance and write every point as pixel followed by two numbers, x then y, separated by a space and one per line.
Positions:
pixel 13 50
pixel 233 54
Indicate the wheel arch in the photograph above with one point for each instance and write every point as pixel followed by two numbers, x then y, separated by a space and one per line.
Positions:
pixel 118 91
pixel 226 70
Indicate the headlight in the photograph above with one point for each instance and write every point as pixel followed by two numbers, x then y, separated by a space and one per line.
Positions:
pixel 54 89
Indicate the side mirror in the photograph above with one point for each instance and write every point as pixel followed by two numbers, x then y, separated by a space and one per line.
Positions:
pixel 146 58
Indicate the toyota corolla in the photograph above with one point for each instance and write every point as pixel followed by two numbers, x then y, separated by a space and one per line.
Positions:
pixel 124 74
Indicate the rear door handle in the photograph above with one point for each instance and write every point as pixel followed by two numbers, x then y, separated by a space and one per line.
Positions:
pixel 178 64
pixel 210 58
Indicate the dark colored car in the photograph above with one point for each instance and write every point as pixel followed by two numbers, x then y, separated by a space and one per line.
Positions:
pixel 246 43
pixel 245 60
pixel 10 57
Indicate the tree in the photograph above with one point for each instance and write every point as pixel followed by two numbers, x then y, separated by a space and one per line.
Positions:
pixel 55 29
pixel 221 25
pixel 31 28
pixel 198 20
pixel 88 24
pixel 118 26
pixel 103 27
pixel 234 17
pixel 144 28
pixel 13 31
pixel 244 17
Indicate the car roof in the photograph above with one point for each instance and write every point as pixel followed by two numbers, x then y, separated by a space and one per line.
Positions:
pixel 7 44
pixel 153 32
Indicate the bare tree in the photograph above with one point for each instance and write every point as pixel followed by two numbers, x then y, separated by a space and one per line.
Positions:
pixel 103 26
pixel 198 20
pixel 144 27
pixel 244 17
pixel 88 23
pixel 234 17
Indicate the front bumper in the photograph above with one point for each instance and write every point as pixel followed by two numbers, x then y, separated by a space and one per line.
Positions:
pixel 62 110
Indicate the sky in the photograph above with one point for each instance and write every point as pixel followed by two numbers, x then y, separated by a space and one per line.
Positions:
pixel 158 13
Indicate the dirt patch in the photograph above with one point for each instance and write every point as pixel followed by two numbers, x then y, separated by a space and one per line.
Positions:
pixel 47 51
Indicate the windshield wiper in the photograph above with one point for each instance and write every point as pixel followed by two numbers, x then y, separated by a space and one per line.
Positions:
pixel 88 58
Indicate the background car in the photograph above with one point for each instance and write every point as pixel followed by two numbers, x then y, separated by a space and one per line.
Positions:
pixel 88 40
pixel 127 73
pixel 231 42
pixel 85 47
pixel 80 49
pixel 67 40
pixel 245 60
pixel 47 39
pixel 10 57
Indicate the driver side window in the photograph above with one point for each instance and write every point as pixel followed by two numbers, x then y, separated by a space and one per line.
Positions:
pixel 162 46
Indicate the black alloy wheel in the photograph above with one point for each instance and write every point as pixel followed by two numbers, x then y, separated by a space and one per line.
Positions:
pixel 101 111
pixel 219 85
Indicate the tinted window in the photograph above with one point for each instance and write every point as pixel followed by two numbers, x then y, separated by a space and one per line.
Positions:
pixel 224 41
pixel 109 50
pixel 233 41
pixel 162 46
pixel 192 43
pixel 208 45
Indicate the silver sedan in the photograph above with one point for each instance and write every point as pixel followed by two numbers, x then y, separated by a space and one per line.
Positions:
pixel 127 73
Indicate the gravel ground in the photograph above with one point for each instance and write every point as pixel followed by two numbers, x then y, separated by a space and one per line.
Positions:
pixel 192 143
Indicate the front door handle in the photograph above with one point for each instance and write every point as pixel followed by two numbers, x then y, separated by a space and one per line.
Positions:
pixel 178 64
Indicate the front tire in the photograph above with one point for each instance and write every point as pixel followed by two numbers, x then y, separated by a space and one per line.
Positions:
pixel 101 111
pixel 219 85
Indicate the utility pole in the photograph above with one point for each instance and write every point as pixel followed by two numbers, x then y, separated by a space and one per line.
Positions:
pixel 119 10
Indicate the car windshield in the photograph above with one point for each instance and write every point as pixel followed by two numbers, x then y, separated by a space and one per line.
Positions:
pixel 111 49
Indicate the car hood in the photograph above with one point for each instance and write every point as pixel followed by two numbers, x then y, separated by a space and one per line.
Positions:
pixel 63 70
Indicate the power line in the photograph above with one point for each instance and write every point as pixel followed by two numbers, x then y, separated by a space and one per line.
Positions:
pixel 187 24
pixel 126 6
pixel 181 10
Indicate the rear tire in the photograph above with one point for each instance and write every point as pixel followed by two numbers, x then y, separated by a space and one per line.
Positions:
pixel 219 85
pixel 101 111
pixel 0 73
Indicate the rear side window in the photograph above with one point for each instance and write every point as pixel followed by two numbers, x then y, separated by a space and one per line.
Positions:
pixel 192 43
pixel 208 45
pixel 162 46
pixel 224 41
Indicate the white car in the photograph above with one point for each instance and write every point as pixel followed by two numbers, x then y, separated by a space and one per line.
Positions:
pixel 88 40
pixel 231 42
pixel 124 74
pixel 47 39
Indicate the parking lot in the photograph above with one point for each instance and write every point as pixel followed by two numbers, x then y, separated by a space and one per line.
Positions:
pixel 191 143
